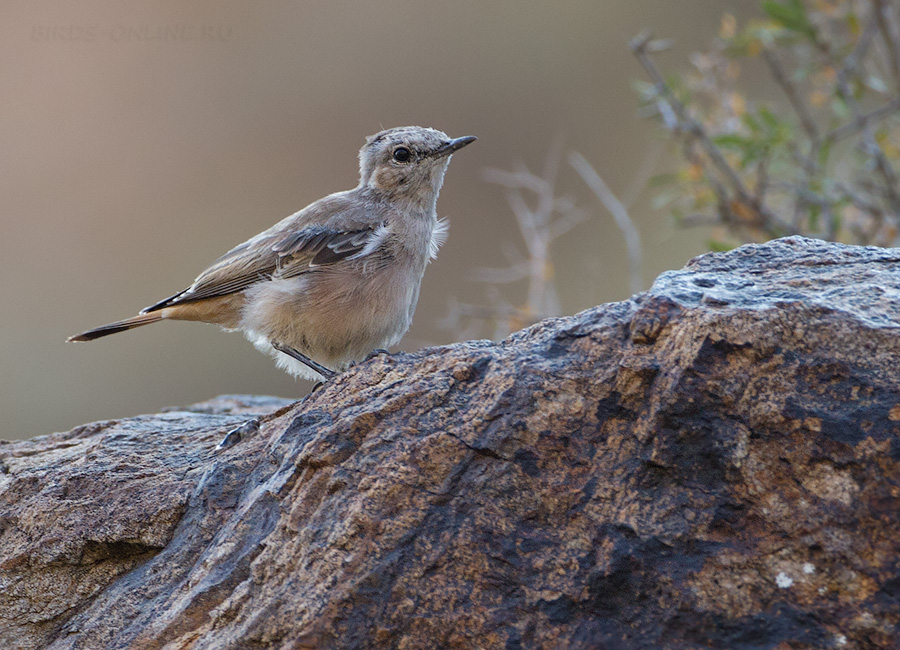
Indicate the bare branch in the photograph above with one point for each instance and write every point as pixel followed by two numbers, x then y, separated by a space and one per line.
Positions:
pixel 870 145
pixel 620 214
pixel 883 11
pixel 517 180
pixel 566 222
pixel 838 67
pixel 858 200
pixel 542 217
pixel 524 217
pixel 860 122
pixel 790 90
pixel 690 126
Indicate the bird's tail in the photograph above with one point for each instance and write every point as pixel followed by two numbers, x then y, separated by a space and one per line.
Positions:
pixel 118 326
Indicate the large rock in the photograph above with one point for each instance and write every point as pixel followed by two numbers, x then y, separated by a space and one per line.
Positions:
pixel 712 464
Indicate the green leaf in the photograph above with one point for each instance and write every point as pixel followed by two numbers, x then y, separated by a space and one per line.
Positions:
pixel 790 14
pixel 679 88
pixel 719 246
pixel 750 148
pixel 839 108
pixel 769 118
pixel 853 23
pixel 814 212
pixel 824 152
pixel 732 141
pixel 751 123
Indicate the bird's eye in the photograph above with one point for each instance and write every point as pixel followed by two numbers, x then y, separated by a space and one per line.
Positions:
pixel 401 154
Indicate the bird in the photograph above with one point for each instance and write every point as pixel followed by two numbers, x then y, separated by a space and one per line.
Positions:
pixel 325 287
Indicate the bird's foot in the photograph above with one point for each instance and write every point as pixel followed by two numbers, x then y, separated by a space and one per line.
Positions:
pixel 237 434
pixel 374 353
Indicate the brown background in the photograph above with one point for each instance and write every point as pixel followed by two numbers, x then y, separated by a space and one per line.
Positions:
pixel 141 140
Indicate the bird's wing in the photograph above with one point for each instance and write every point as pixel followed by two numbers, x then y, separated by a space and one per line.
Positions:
pixel 291 247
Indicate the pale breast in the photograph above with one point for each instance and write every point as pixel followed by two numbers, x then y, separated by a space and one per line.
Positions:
pixel 335 315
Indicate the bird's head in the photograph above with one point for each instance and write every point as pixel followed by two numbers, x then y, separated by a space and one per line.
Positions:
pixel 408 161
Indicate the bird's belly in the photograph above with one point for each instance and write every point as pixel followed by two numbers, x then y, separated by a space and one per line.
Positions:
pixel 334 317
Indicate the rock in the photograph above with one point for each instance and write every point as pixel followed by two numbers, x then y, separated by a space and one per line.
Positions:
pixel 712 464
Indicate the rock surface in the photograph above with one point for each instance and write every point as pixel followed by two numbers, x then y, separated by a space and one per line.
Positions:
pixel 712 464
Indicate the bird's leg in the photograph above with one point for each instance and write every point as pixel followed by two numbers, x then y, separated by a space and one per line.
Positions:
pixel 302 358
pixel 374 353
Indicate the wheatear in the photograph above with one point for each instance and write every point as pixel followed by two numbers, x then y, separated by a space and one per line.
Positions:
pixel 329 284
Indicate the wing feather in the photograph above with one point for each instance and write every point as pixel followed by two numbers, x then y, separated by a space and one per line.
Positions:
pixel 290 248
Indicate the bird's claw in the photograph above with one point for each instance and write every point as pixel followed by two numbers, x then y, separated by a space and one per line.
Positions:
pixel 374 353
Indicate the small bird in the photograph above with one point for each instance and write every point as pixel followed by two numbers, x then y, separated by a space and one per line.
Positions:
pixel 323 288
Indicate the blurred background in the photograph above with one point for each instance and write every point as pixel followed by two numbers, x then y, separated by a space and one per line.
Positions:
pixel 142 140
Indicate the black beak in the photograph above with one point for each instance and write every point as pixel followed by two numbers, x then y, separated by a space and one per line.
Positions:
pixel 449 147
